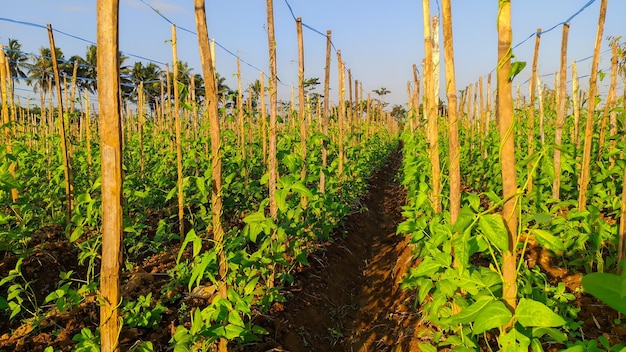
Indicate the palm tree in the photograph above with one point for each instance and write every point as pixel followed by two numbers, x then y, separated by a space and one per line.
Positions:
pixel 90 73
pixel 198 83
pixel 150 75
pixel 41 71
pixel 17 60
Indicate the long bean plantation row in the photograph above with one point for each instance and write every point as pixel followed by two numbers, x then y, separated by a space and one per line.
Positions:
pixel 176 214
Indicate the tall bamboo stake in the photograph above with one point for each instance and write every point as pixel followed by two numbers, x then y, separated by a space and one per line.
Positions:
pixel 531 108
pixel 111 141
pixel 66 159
pixel 436 58
pixel 583 180
pixel 212 99
pixel 263 118
pixel 453 128
pixel 179 148
pixel 608 116
pixel 273 162
pixel 542 135
pixel 6 119
pixel 431 110
pixel 560 114
pixel 416 95
pixel 576 106
pixel 342 113
pixel 301 103
pixel 507 151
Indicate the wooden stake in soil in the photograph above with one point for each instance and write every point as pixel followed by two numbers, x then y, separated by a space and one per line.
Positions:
pixel 431 110
pixel 301 103
pixel 326 112
pixel 453 128
pixel 560 114
pixel 583 180
pixel 531 109
pixel 342 114
pixel 206 58
pixel 111 141
pixel 4 78
pixel 273 162
pixel 66 158
pixel 576 105
pixel 179 148
pixel 507 152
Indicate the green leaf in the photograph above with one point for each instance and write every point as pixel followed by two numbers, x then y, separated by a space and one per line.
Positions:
pixel 533 313
pixel 514 341
pixel 461 245
pixel 494 315
pixel 300 187
pixel 427 347
pixel 542 218
pixel 548 240
pixel 426 268
pixel 235 319
pixel 492 226
pixel 609 288
pixel 469 313
pixel 535 345
pixel 554 333
pixel 231 331
pixel 465 219
pixel 78 231
pixel 516 68
pixel 280 195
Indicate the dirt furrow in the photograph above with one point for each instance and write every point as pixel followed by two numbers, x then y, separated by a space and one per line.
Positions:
pixel 349 299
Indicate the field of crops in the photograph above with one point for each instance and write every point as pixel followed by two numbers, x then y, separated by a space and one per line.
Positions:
pixel 182 215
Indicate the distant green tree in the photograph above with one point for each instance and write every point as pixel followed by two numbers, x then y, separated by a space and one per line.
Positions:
pixel 41 72
pixel 381 92
pixel 17 60
pixel 398 112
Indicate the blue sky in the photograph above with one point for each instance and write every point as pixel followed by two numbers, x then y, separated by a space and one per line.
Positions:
pixel 379 41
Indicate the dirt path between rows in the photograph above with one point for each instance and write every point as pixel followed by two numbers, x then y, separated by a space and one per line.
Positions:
pixel 350 299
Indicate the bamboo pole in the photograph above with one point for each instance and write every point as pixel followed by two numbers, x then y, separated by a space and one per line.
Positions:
pixel 240 117
pixel 111 141
pixel 66 161
pixel 178 128
pixel 531 108
pixel 208 71
pixel 142 122
pixel 211 104
pixel 6 119
pixel 506 124
pixel 350 110
pixel 301 103
pixel 88 133
pixel 431 110
pixel 342 113
pixel 453 128
pixel 273 162
pixel 560 114
pixel 488 106
pixel 583 180
pixel 576 106
pixel 609 116
pixel 263 118
pixel 542 135
pixel 416 95
pixel 436 58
